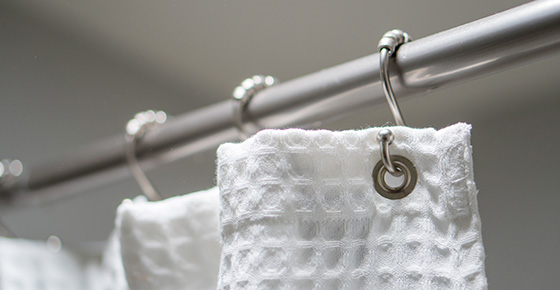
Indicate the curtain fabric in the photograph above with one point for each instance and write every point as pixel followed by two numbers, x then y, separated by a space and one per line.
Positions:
pixel 30 265
pixel 171 244
pixel 299 211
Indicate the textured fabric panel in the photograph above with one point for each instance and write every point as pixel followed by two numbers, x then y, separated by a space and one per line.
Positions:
pixel 299 211
pixel 112 268
pixel 171 244
pixel 29 265
pixel 106 273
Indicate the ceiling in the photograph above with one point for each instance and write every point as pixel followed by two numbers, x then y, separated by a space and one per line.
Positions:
pixel 73 72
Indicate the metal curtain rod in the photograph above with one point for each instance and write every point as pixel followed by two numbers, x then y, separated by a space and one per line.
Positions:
pixel 483 47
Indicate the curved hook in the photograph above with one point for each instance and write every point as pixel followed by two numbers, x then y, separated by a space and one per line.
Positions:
pixel 242 96
pixel 385 138
pixel 387 46
pixel 10 171
pixel 136 129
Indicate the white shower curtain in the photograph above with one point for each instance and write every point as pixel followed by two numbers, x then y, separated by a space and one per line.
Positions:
pixel 299 211
pixel 171 244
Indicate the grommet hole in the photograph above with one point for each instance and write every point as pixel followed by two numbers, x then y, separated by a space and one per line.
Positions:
pixel 393 180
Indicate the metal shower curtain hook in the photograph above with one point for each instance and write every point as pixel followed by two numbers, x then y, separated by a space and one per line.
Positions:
pixel 136 128
pixel 242 96
pixel 10 172
pixel 387 46
pixel 396 165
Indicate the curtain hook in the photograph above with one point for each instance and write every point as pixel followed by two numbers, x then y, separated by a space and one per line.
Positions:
pixel 396 165
pixel 385 138
pixel 10 172
pixel 387 46
pixel 136 128
pixel 242 96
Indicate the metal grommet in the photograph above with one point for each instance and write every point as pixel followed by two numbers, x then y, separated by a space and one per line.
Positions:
pixel 403 165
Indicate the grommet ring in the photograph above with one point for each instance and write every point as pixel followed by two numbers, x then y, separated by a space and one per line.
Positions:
pixel 242 96
pixel 401 164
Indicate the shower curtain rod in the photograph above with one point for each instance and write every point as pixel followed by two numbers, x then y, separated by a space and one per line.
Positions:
pixel 502 41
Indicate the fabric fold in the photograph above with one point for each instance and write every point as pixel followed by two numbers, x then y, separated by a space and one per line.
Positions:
pixel 29 265
pixel 299 211
pixel 171 244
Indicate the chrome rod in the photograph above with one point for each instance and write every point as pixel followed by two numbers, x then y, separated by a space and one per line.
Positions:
pixel 483 47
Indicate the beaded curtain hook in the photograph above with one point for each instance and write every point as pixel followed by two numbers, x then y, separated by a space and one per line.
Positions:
pixel 10 171
pixel 242 96
pixel 135 130
pixel 387 46
pixel 396 165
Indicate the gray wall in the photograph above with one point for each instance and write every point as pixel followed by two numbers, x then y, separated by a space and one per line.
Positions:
pixel 62 87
